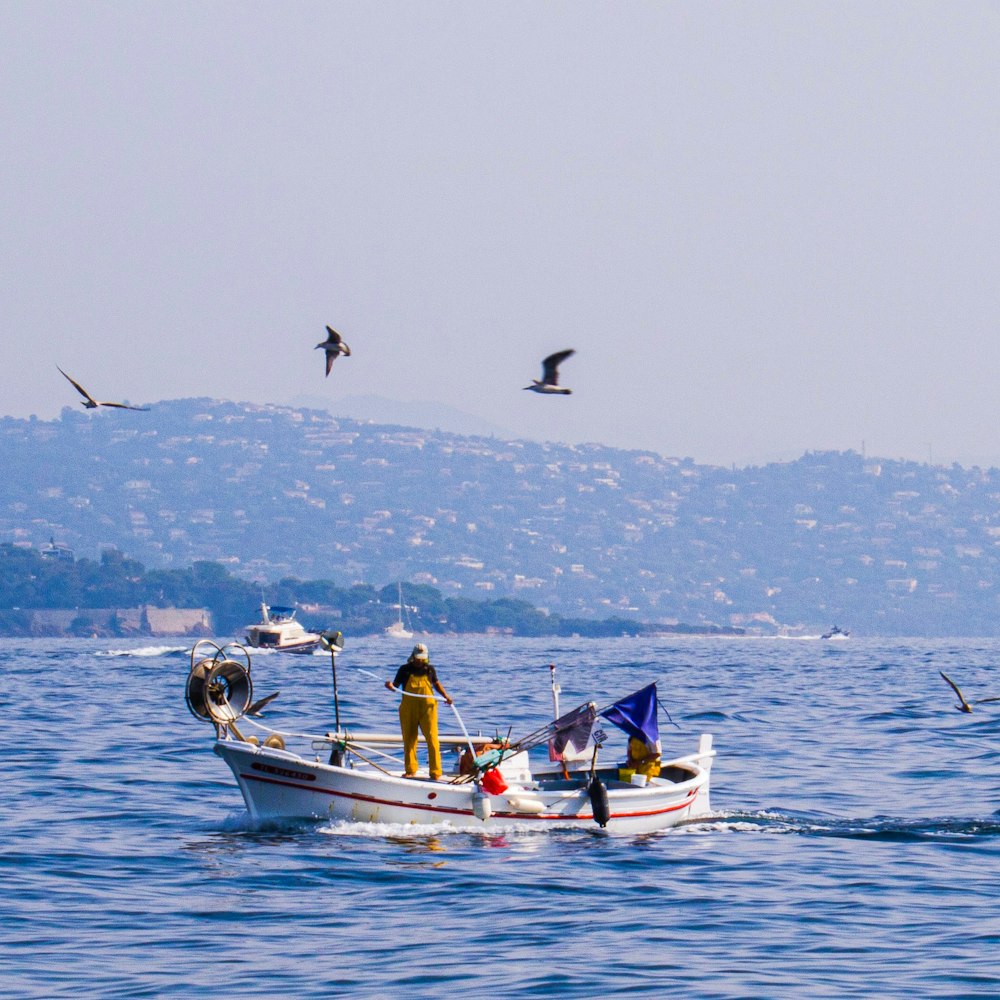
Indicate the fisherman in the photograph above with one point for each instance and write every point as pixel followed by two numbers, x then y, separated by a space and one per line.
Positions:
pixel 418 677
pixel 643 758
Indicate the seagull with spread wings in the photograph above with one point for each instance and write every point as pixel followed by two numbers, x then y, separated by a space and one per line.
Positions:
pixel 334 346
pixel 92 404
pixel 255 708
pixel 963 705
pixel 549 384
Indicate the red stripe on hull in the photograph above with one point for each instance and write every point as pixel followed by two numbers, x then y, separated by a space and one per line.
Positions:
pixel 468 812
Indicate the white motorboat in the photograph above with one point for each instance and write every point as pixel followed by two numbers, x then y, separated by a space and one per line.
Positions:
pixel 278 629
pixel 355 776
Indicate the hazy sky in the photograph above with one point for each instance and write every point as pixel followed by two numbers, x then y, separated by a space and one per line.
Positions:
pixel 766 227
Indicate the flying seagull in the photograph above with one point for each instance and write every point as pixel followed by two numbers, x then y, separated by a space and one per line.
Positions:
pixel 963 705
pixel 334 347
pixel 92 404
pixel 255 708
pixel 550 375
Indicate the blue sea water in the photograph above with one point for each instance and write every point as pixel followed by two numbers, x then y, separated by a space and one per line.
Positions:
pixel 853 850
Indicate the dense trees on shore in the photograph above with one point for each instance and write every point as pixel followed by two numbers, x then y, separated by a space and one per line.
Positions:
pixel 28 580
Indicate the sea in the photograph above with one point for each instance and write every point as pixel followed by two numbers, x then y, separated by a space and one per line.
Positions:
pixel 853 849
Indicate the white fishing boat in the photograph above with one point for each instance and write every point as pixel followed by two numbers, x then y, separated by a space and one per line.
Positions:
pixel 397 630
pixel 356 776
pixel 278 629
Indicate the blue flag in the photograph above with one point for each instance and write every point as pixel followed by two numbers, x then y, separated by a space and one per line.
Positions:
pixel 636 715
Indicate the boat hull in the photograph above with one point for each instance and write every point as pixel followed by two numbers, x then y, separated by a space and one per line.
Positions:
pixel 306 645
pixel 277 784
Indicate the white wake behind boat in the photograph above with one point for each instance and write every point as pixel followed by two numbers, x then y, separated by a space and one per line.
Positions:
pixel 354 776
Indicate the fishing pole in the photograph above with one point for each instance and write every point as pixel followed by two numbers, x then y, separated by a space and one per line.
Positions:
pixel 392 687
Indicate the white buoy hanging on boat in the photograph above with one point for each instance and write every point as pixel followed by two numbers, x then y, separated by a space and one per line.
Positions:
pixel 525 805
pixel 481 806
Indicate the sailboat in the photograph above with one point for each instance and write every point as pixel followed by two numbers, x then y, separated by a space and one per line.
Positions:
pixel 397 630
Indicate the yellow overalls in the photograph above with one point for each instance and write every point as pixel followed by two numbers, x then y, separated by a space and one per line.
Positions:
pixel 422 714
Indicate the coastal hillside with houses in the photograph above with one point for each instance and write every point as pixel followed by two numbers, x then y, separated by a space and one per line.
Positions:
pixel 881 546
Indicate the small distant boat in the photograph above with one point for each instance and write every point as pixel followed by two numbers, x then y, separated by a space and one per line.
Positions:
pixel 836 633
pixel 397 630
pixel 279 630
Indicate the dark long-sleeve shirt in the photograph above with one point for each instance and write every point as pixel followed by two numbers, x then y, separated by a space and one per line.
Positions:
pixel 408 669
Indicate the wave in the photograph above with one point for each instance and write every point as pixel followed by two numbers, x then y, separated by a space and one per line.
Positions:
pixel 884 828
pixel 242 823
pixel 145 651
pixel 423 831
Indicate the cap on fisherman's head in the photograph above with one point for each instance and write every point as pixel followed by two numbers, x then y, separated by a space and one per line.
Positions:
pixel 419 652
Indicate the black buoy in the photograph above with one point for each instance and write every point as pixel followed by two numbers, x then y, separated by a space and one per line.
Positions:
pixel 598 793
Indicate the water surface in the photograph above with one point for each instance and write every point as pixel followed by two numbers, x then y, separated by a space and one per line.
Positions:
pixel 853 849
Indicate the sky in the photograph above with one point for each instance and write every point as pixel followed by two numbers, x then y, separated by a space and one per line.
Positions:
pixel 766 228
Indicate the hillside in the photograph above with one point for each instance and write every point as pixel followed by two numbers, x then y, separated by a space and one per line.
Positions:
pixel 880 546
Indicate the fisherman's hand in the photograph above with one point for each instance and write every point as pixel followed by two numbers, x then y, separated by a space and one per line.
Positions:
pixel 388 684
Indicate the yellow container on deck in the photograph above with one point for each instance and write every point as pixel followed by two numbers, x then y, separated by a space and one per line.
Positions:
pixel 625 774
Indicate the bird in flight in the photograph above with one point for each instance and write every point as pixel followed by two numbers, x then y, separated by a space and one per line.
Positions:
pixel 92 404
pixel 963 705
pixel 334 346
pixel 550 375
pixel 255 708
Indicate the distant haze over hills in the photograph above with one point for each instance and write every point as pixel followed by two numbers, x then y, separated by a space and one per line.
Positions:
pixel 877 546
